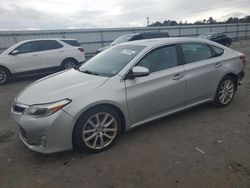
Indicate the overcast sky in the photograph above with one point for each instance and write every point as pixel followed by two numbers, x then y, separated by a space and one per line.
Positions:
pixel 55 14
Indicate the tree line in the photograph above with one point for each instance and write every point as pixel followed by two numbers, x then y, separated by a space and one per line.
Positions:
pixel 210 20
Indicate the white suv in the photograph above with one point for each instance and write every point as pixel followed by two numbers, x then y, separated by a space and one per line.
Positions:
pixel 32 57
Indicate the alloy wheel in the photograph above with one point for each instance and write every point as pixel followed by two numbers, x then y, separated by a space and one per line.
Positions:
pixel 69 65
pixel 3 76
pixel 99 130
pixel 226 91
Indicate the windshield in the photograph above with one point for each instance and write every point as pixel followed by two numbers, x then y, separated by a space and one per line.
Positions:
pixel 111 61
pixel 123 38
pixel 205 36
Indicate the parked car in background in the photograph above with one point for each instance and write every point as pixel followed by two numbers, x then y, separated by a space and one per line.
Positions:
pixel 220 38
pixel 39 56
pixel 133 37
pixel 123 87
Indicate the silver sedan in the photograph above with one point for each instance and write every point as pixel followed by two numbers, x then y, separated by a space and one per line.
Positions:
pixel 123 87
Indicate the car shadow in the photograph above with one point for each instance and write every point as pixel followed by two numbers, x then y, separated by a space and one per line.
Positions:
pixel 169 120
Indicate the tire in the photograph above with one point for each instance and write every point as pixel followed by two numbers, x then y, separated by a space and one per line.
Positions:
pixel 4 76
pixel 69 63
pixel 225 92
pixel 93 137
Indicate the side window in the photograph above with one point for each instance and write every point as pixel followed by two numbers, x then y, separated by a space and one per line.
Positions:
pixel 136 37
pixel 214 36
pixel 223 35
pixel 160 59
pixel 27 47
pixel 217 51
pixel 146 36
pixel 195 52
pixel 72 42
pixel 48 45
pixel 220 35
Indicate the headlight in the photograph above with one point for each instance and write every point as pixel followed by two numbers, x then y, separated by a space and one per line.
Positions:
pixel 41 110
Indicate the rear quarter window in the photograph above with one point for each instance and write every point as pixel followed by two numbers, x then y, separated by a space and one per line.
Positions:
pixel 217 51
pixel 48 45
pixel 72 42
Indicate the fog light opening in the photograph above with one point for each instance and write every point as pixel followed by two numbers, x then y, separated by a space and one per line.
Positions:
pixel 43 140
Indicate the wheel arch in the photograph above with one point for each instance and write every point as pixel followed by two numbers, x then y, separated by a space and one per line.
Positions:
pixel 115 107
pixel 234 77
pixel 69 58
pixel 1 66
pixel 229 74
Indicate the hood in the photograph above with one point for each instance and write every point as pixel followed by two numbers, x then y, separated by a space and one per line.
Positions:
pixel 66 84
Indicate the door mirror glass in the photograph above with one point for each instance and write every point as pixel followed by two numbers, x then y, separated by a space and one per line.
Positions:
pixel 14 52
pixel 139 71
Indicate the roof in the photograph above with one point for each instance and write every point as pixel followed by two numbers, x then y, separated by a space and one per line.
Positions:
pixel 169 40
pixel 211 33
pixel 48 39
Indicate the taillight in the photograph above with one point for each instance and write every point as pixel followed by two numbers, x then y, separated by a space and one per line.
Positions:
pixel 81 49
pixel 243 58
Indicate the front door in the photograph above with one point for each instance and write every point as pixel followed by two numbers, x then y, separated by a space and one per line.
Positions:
pixel 27 58
pixel 162 91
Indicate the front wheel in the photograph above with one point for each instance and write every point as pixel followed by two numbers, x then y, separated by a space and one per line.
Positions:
pixel 4 76
pixel 97 129
pixel 225 92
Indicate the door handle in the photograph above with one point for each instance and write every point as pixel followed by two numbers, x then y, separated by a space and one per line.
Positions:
pixel 35 55
pixel 218 65
pixel 178 76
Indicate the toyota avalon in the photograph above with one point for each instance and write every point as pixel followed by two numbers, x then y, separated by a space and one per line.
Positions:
pixel 123 87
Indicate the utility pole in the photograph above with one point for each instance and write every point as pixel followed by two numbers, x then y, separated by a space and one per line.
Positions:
pixel 147 21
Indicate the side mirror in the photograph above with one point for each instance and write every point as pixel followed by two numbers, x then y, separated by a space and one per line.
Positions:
pixel 14 52
pixel 138 71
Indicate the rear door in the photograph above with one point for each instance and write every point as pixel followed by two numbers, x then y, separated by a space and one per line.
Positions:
pixel 51 53
pixel 203 72
pixel 162 91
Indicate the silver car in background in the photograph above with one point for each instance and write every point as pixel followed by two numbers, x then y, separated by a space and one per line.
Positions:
pixel 123 87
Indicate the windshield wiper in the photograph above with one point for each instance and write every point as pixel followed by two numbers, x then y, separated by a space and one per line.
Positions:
pixel 89 72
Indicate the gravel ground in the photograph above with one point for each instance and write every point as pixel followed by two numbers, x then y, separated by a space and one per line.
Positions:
pixel 201 147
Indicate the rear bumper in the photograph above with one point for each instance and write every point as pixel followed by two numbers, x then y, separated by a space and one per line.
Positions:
pixel 241 75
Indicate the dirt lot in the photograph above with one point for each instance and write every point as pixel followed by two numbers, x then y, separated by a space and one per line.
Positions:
pixel 164 153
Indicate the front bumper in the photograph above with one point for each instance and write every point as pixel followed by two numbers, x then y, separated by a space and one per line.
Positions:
pixel 47 134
